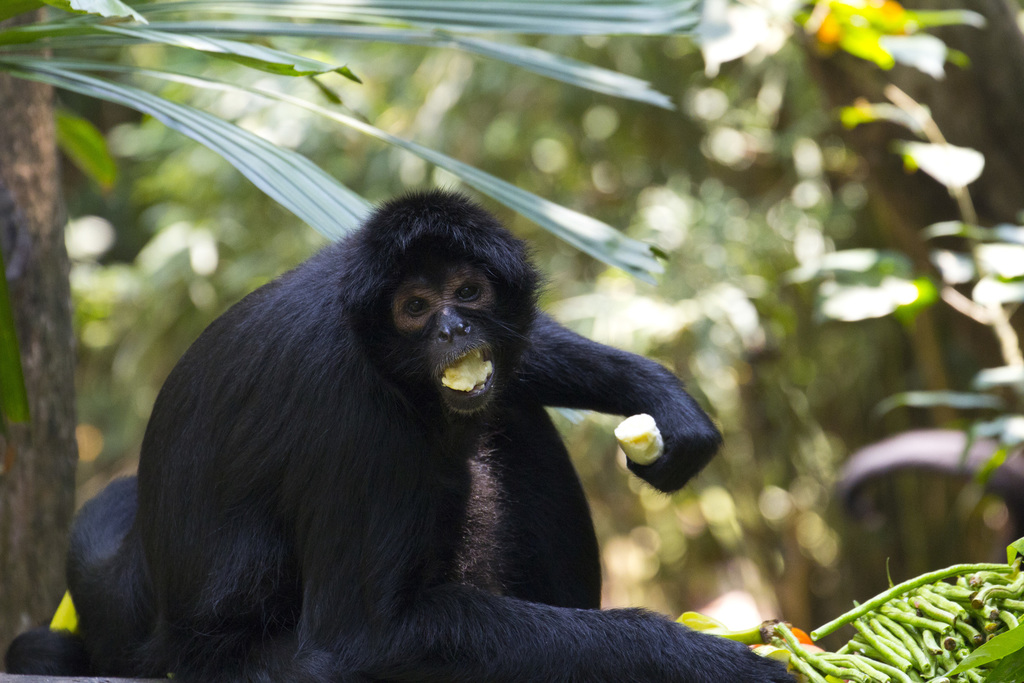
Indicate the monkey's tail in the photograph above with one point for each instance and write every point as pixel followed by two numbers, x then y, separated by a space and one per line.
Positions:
pixel 46 652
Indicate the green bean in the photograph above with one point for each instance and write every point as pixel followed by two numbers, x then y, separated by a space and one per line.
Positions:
pixel 948 662
pixel 807 670
pixel 953 592
pixel 912 619
pixel 988 612
pixel 868 667
pixel 892 671
pixel 817 661
pixel 941 601
pixel 865 649
pixel 973 676
pixel 920 660
pixel 984 577
pixel 888 654
pixel 993 591
pixel 902 588
pixel 884 636
pixel 924 606
pixel 930 643
pixel 972 634
pixel 917 630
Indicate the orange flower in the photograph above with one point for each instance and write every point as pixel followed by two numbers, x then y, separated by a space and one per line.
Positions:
pixel 892 10
pixel 830 30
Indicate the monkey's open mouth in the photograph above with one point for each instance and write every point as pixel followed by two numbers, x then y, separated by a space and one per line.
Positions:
pixel 469 373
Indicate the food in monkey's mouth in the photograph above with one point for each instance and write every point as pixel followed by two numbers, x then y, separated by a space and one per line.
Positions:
pixel 468 372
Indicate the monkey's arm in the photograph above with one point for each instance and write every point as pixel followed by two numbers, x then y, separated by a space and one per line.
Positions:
pixel 561 368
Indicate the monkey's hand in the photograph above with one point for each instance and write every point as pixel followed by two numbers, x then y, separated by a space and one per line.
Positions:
pixel 640 439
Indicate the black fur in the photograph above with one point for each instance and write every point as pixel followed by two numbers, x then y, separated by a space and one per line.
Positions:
pixel 309 510
pixel 47 653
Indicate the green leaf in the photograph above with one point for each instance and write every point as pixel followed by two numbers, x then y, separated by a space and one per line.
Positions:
pixel 287 177
pixel 12 8
pixel 864 44
pixel 956 268
pixel 587 234
pixel 947 18
pixel 1002 645
pixel 248 54
pixel 924 52
pixel 86 147
pixel 329 94
pixel 949 229
pixel 348 73
pixel 1008 430
pixel 1007 233
pixel 544 63
pixel 1001 259
pixel 850 303
pixel 994 462
pixel 13 395
pixel 729 31
pixel 541 62
pixel 1014 549
pixel 104 8
pixel 952 166
pixel 852 261
pixel 928 399
pixel 991 290
pixel 1010 669
pixel 927 295
pixel 1003 232
pixel 660 253
pixel 1004 376
pixel 567 70
pixel 575 17
pixel 851 117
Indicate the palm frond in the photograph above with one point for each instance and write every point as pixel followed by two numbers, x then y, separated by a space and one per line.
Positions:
pixel 587 234
pixel 575 17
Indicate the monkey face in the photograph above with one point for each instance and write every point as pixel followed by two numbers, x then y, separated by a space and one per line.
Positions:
pixel 445 312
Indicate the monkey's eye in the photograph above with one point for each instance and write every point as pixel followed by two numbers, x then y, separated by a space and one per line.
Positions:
pixel 415 306
pixel 468 292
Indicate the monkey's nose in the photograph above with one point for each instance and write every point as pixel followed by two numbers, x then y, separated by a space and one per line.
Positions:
pixel 448 331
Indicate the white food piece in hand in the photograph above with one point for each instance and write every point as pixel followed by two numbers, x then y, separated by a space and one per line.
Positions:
pixel 468 373
pixel 640 439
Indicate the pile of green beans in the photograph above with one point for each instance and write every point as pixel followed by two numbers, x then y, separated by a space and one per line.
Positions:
pixel 917 631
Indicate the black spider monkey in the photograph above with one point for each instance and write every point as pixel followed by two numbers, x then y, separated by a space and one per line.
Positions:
pixel 350 476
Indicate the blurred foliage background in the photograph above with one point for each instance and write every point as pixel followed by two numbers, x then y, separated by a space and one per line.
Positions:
pixel 747 187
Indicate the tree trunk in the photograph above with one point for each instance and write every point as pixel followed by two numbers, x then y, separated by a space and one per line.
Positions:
pixel 37 474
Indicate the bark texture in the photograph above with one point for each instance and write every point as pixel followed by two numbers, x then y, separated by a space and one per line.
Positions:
pixel 37 473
